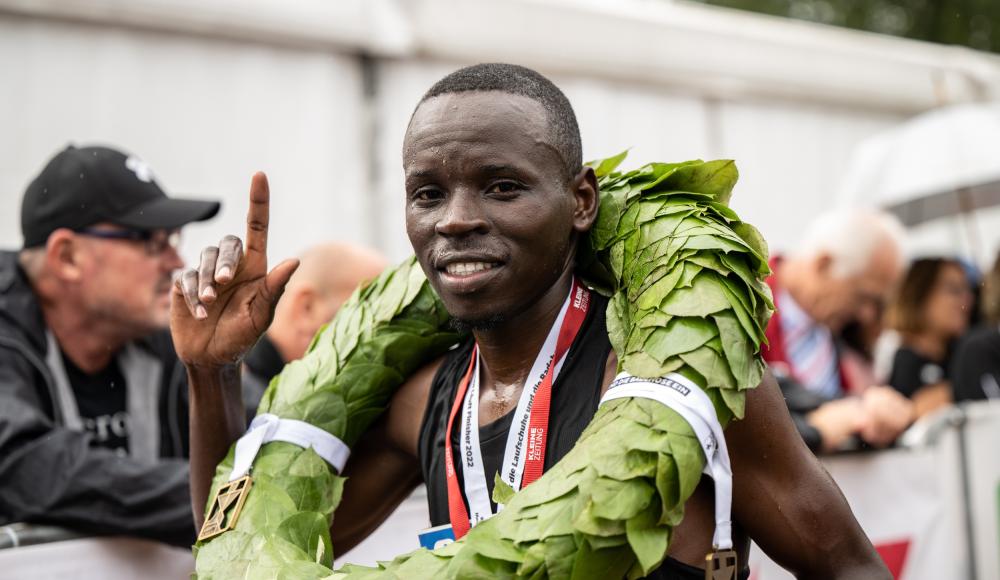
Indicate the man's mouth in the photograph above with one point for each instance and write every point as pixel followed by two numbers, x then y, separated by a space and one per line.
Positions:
pixel 462 269
pixel 467 274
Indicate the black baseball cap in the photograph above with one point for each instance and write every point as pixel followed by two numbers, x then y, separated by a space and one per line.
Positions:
pixel 82 186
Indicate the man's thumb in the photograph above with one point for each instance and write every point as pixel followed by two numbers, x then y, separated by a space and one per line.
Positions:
pixel 278 278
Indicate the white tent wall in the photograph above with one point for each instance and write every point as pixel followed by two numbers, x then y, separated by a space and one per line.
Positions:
pixel 210 91
pixel 204 113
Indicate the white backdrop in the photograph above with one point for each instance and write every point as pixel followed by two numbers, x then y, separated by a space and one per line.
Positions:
pixel 204 113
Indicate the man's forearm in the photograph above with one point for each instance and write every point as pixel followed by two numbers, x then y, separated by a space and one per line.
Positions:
pixel 872 571
pixel 849 567
pixel 217 420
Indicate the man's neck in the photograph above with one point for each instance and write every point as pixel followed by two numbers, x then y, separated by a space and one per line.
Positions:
pixel 87 342
pixel 509 349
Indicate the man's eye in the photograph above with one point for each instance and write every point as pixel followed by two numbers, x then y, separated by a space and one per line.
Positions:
pixel 427 194
pixel 505 187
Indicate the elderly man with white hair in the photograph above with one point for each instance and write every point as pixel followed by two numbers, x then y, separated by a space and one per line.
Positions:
pixel 843 271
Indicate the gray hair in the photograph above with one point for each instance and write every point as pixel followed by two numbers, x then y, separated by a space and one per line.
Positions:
pixel 851 238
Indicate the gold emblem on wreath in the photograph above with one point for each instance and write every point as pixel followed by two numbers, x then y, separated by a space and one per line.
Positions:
pixel 721 565
pixel 226 508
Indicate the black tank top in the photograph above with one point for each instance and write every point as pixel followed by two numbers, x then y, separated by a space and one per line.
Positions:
pixel 575 396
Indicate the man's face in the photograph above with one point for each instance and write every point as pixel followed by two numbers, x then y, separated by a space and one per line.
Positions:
pixel 127 281
pixel 490 212
pixel 859 297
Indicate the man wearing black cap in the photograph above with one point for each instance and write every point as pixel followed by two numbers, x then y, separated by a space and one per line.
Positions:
pixel 93 404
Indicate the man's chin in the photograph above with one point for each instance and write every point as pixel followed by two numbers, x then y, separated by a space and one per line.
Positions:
pixel 159 319
pixel 465 325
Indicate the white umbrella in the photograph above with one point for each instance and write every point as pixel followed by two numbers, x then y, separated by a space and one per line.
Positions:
pixel 940 164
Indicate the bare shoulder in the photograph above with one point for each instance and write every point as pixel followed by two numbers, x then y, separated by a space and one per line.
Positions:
pixel 406 409
pixel 767 425
pixel 610 370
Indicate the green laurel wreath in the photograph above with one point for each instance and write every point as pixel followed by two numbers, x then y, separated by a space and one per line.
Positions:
pixel 685 279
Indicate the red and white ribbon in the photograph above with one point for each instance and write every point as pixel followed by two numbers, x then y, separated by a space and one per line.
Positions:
pixel 524 455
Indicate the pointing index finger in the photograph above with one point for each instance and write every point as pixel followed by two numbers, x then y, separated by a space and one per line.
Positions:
pixel 257 222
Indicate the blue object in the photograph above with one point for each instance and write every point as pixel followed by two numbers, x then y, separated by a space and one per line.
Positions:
pixel 436 537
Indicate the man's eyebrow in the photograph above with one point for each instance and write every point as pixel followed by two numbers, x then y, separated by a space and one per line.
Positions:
pixel 499 168
pixel 488 169
pixel 420 173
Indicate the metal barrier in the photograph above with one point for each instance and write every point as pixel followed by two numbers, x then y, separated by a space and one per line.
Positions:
pixel 39 552
pixel 20 535
pixel 929 506
pixel 981 434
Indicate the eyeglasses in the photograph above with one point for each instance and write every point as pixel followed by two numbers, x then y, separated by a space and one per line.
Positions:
pixel 955 290
pixel 155 242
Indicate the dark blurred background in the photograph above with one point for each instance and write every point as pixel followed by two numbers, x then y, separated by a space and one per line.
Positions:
pixel 972 23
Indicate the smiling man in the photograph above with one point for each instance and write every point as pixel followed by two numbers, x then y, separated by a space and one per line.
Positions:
pixel 93 421
pixel 496 199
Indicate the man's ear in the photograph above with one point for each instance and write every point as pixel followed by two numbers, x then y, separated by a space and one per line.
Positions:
pixel 587 199
pixel 62 255
pixel 304 306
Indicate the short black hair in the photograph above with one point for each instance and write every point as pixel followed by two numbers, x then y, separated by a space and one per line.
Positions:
pixel 519 80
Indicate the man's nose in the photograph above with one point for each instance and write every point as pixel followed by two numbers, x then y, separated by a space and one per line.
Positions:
pixel 171 259
pixel 463 214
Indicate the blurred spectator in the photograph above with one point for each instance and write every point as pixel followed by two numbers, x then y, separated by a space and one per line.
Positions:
pixel 975 370
pixel 975 278
pixel 327 276
pixel 93 401
pixel 857 355
pixel 842 271
pixel 930 312
pixel 989 299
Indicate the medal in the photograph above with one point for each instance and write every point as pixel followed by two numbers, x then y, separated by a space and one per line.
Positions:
pixel 525 451
pixel 226 508
pixel 720 565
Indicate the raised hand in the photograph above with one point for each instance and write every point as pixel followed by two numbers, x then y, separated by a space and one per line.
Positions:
pixel 220 309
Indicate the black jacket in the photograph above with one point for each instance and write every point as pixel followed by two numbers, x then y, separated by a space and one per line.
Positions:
pixel 975 370
pixel 49 471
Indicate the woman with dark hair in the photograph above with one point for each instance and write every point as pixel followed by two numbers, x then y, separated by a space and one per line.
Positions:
pixel 931 311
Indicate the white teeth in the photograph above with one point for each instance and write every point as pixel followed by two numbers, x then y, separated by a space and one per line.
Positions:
pixel 467 268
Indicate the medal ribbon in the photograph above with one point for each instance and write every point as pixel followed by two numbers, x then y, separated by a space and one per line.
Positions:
pixel 524 456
